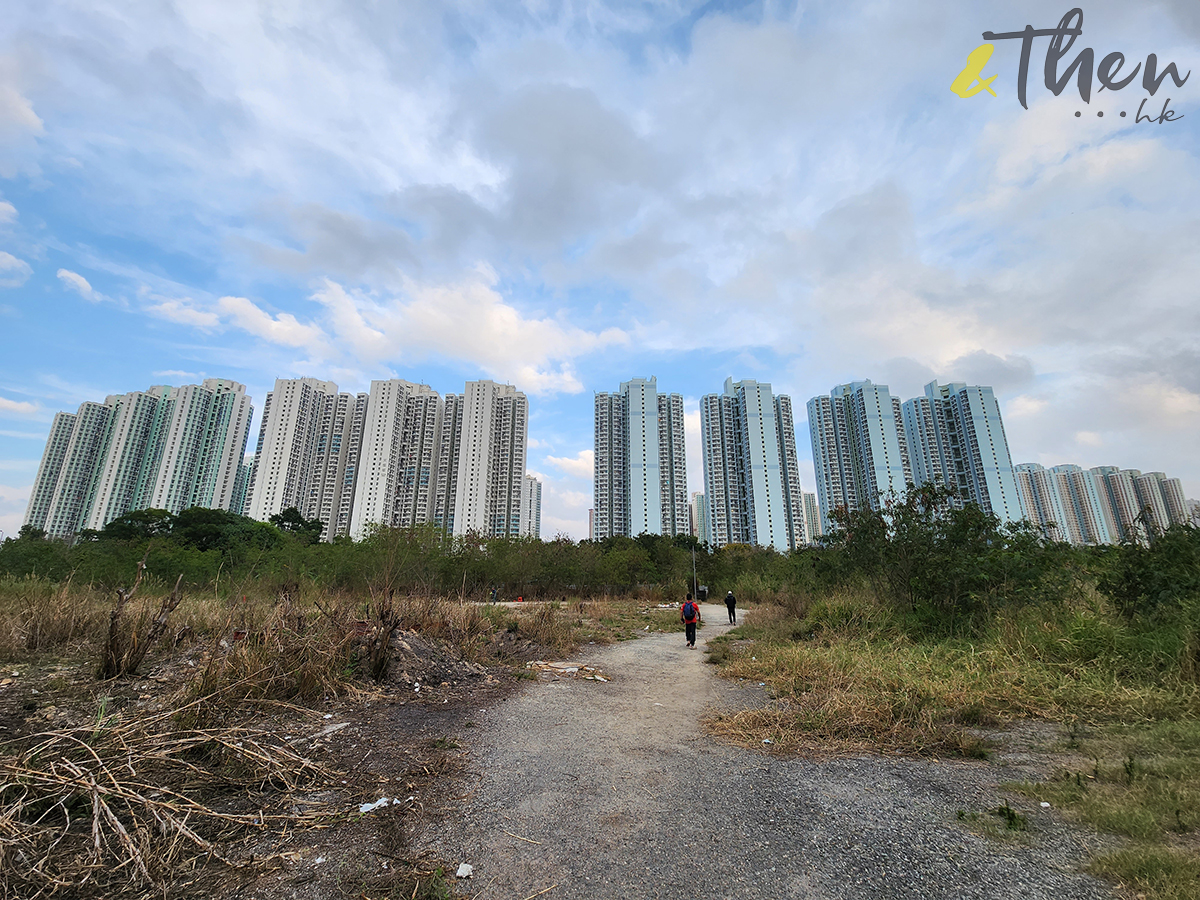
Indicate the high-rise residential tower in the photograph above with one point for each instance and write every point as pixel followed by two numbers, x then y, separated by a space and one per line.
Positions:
pixel 489 427
pixel 308 447
pixel 165 448
pixel 398 467
pixel 68 482
pixel 751 477
pixel 531 507
pixel 860 449
pixel 814 523
pixel 640 468
pixel 956 438
pixel 698 512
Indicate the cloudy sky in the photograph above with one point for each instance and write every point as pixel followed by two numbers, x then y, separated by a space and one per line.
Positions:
pixel 565 195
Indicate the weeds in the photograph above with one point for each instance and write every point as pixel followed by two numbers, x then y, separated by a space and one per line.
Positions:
pixel 1143 781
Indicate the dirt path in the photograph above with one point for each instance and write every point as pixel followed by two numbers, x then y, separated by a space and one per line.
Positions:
pixel 585 789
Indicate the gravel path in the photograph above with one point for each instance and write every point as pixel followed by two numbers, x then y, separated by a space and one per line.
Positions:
pixel 611 790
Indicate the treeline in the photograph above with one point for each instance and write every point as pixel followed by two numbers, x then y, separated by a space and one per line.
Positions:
pixel 940 565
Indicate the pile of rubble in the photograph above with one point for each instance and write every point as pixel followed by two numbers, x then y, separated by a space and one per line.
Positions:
pixel 566 670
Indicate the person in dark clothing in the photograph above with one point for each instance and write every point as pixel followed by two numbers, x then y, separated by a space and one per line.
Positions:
pixel 689 615
pixel 731 605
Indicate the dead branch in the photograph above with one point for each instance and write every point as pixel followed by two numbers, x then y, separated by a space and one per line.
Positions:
pixel 125 649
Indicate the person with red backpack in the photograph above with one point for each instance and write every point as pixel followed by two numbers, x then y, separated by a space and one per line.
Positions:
pixel 689 615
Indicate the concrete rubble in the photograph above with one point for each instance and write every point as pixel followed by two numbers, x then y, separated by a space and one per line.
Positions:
pixel 566 670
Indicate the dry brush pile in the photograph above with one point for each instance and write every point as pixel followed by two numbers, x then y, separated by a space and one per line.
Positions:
pixel 131 805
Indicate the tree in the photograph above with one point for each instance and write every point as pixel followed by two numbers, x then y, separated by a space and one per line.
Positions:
pixel 140 524
pixel 292 521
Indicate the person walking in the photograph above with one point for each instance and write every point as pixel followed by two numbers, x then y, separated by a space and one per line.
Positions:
pixel 731 605
pixel 689 615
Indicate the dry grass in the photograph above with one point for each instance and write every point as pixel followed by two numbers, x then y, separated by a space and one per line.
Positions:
pixel 893 694
pixel 37 616
pixel 128 806
pixel 846 677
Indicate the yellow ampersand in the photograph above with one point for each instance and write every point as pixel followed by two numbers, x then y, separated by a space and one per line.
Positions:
pixel 965 84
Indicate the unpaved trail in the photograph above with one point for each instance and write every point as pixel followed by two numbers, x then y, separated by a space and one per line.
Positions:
pixel 585 789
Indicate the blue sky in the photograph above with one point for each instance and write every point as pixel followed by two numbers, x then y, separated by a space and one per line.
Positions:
pixel 568 195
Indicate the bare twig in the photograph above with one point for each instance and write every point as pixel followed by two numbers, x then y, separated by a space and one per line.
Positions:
pixel 519 838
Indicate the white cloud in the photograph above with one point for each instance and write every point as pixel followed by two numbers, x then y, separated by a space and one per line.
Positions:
pixel 16 114
pixel 17 406
pixel 466 319
pixel 13 502
pixel 19 126
pixel 1024 406
pixel 78 284
pixel 581 465
pixel 175 373
pixel 282 329
pixel 24 435
pixel 183 312
pixel 8 212
pixel 13 272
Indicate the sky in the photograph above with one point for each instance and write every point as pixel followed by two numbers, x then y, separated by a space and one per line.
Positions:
pixel 568 195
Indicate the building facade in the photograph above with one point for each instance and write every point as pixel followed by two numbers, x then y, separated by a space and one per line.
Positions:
pixel 860 448
pixel 640 464
pixel 308 451
pixel 751 476
pixel 398 464
pixel 531 507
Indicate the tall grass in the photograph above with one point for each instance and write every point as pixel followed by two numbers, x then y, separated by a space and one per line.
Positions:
pixel 37 615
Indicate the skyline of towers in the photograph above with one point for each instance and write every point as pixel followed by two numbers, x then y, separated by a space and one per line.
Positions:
pixel 640 463
pixel 404 455
pixel 1101 505
pixel 751 474
pixel 867 444
pixel 163 448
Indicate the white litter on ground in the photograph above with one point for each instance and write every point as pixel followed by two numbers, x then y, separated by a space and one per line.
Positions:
pixel 464 871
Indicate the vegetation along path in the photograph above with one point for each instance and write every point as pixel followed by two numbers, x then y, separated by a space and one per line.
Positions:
pixel 589 789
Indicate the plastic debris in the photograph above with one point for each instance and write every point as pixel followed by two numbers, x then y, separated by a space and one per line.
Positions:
pixel 768 741
pixel 464 871
pixel 1045 805
pixel 383 801
pixel 319 860
pixel 327 716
